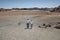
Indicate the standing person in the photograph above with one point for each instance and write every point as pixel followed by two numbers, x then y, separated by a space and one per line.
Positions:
pixel 31 24
pixel 28 22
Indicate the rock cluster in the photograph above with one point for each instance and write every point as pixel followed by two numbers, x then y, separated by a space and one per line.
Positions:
pixel 56 9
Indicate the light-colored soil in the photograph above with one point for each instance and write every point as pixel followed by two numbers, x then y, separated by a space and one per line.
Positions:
pixel 13 27
pixel 27 12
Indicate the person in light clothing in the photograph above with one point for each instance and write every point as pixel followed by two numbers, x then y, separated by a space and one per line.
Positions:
pixel 31 22
pixel 28 23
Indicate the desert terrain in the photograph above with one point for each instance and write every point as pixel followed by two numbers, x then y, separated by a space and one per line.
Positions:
pixel 13 24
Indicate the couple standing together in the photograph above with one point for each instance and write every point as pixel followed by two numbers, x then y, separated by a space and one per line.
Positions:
pixel 29 23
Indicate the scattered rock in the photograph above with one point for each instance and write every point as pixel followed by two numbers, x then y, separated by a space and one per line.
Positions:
pixel 57 27
pixel 39 26
pixel 44 25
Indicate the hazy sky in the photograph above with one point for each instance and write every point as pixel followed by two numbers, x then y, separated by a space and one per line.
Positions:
pixel 28 3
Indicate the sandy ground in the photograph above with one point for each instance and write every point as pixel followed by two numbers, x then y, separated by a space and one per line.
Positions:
pixel 13 28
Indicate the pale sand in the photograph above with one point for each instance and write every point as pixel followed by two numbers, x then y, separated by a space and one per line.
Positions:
pixel 11 30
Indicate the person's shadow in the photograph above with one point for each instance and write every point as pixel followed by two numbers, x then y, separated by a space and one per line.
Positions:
pixel 27 28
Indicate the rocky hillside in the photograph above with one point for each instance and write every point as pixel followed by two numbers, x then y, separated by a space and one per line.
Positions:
pixel 56 9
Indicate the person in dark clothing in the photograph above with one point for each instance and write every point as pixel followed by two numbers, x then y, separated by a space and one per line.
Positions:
pixel 27 25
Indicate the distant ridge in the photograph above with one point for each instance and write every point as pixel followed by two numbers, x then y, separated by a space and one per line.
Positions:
pixel 56 9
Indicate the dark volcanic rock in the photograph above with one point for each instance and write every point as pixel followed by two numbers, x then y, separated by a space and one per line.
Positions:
pixel 57 27
pixel 56 9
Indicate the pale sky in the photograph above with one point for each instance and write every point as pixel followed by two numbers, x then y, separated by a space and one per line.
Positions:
pixel 28 3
